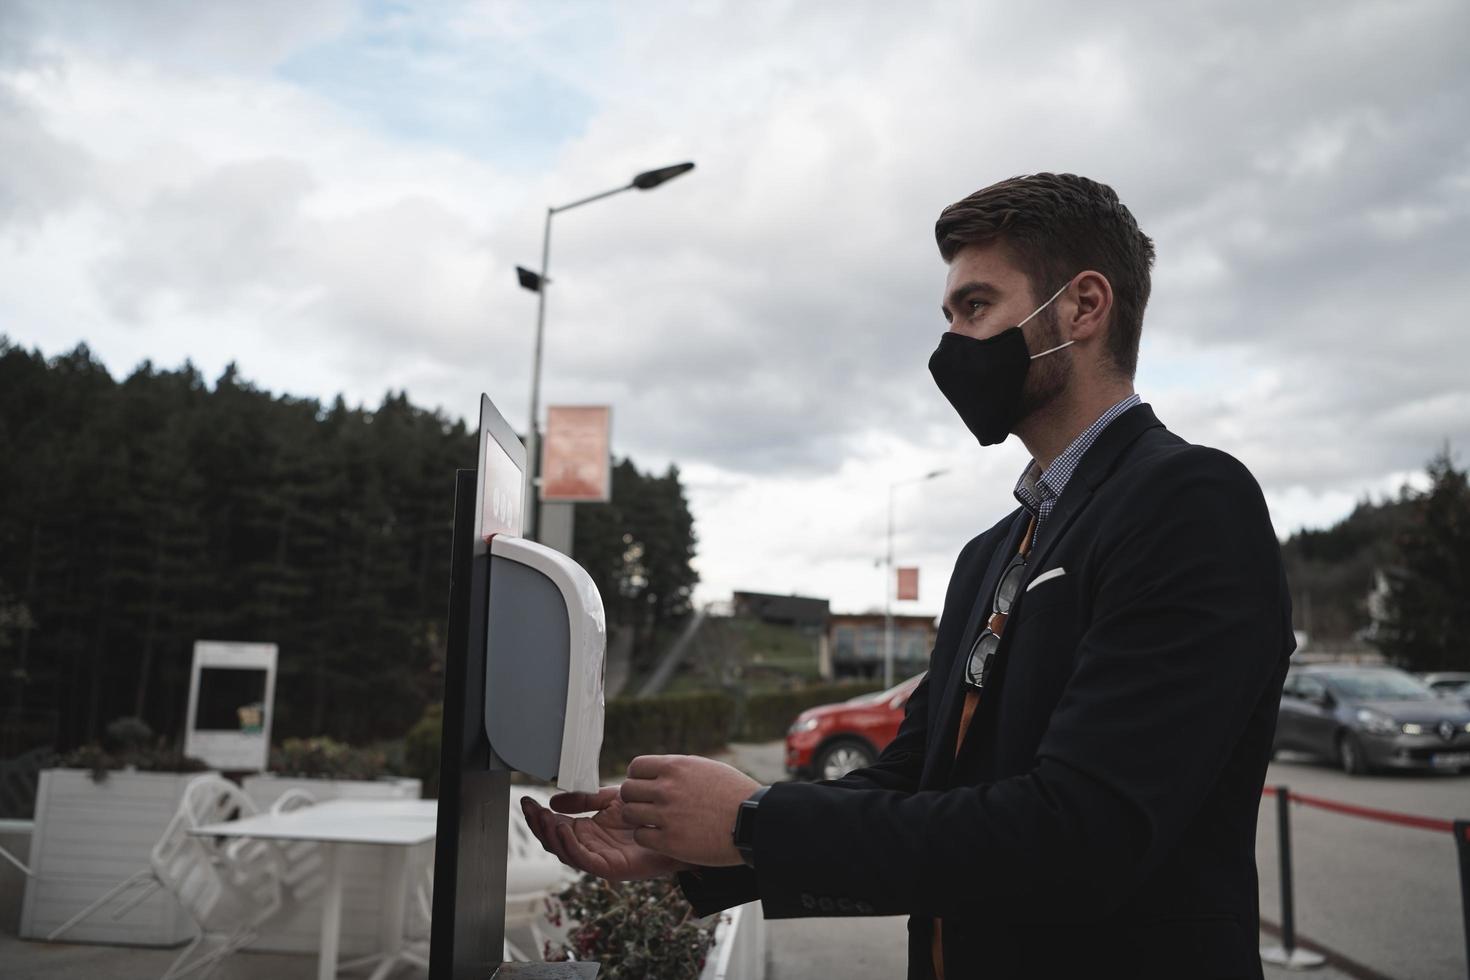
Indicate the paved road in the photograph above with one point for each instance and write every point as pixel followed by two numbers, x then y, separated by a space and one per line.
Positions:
pixel 1384 897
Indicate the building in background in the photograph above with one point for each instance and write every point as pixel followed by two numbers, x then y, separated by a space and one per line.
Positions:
pixel 802 612
pixel 855 645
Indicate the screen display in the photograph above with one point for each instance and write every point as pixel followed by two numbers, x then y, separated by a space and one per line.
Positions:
pixel 501 490
pixel 231 699
pixel 502 493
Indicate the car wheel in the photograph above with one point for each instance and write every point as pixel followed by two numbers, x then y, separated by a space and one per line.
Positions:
pixel 842 757
pixel 1350 755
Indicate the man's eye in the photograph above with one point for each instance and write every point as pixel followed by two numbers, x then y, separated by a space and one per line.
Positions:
pixel 975 305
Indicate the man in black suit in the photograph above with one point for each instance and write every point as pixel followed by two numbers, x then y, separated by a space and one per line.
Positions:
pixel 1073 791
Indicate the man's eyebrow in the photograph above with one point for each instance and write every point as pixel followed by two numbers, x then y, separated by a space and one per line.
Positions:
pixel 967 289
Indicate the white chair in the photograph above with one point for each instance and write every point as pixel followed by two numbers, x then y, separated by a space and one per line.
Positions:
pixel 304 868
pixel 144 881
pixel 531 876
pixel 229 890
pixel 206 808
pixel 414 949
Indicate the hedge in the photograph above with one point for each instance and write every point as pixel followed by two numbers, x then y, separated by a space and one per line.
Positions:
pixel 693 723
pixel 767 714
pixel 421 750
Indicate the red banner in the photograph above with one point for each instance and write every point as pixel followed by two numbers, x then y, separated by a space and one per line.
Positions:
pixel 908 583
pixel 575 460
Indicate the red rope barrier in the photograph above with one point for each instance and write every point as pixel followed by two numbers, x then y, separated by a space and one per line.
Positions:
pixel 1369 813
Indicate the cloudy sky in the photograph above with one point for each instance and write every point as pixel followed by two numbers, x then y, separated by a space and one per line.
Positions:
pixel 335 195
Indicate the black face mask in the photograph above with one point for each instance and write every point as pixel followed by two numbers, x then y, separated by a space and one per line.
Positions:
pixel 983 379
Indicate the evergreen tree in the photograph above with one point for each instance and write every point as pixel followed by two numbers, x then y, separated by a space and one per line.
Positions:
pixel 638 548
pixel 1428 602
pixel 1331 570
pixel 138 517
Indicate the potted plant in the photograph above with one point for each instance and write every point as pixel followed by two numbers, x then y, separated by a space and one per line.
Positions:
pixel 99 811
pixel 328 770
pixel 636 929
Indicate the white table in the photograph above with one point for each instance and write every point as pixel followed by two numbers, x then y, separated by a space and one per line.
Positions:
pixel 398 824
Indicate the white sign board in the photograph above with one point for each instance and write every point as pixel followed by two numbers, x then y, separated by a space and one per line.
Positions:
pixel 232 691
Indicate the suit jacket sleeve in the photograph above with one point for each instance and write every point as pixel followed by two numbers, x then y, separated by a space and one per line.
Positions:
pixel 897 769
pixel 1186 633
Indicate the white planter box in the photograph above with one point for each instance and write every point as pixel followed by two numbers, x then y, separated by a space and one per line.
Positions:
pixel 739 950
pixel 364 869
pixel 15 837
pixel 91 836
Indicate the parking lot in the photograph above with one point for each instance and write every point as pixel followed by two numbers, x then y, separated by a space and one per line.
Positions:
pixel 1384 896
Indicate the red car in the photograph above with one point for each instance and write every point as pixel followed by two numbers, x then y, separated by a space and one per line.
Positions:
pixel 831 740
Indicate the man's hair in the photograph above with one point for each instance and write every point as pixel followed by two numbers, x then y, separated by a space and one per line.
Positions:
pixel 1055 226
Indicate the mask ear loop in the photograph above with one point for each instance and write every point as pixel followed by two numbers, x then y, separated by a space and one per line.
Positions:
pixel 1053 350
pixel 1038 310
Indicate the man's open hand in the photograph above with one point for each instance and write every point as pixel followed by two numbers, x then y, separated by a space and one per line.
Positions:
pixel 602 844
pixel 685 806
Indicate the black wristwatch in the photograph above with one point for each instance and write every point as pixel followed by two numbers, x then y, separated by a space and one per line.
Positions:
pixel 744 833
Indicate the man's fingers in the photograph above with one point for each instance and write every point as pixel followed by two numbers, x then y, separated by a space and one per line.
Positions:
pixel 544 824
pixel 584 802
pixel 636 815
pixel 649 766
pixel 552 828
pixel 578 856
pixel 636 790
pixel 532 812
pixel 654 838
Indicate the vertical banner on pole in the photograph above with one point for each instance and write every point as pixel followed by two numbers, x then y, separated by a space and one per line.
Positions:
pixel 575 456
pixel 908 583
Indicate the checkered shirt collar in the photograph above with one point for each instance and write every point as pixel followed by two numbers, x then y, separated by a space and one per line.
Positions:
pixel 1038 489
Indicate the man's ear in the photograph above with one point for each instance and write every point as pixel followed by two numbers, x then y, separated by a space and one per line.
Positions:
pixel 1092 305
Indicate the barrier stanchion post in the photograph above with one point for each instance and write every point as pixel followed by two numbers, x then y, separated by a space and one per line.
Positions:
pixel 1287 954
pixel 1462 848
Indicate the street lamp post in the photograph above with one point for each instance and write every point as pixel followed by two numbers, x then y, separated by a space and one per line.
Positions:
pixel 888 583
pixel 537 283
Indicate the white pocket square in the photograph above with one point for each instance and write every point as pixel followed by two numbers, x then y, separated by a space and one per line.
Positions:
pixel 1047 576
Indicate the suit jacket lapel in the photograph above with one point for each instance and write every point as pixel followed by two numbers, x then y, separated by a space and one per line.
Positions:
pixel 941 738
pixel 1095 467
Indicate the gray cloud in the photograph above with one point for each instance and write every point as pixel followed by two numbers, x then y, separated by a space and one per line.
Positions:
pixel 1305 173
pixel 39 173
pixel 178 34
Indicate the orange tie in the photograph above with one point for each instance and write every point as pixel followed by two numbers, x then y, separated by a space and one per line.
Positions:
pixel 997 625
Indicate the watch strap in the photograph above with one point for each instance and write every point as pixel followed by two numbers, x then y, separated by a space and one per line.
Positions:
pixel 743 834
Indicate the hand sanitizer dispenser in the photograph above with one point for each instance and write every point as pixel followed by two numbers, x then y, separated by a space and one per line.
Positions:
pixel 544 647
pixel 522 691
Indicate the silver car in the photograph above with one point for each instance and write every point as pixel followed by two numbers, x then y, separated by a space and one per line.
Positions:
pixel 1366 718
pixel 1449 683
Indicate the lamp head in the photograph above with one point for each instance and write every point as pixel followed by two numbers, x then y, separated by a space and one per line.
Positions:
pixel 650 179
pixel 528 279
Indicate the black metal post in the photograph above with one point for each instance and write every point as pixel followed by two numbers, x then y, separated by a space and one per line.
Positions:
pixel 1283 841
pixel 1462 847
pixel 468 921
